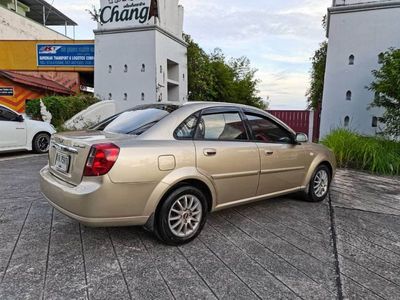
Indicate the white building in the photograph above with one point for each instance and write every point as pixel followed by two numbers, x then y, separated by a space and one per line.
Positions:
pixel 358 31
pixel 30 20
pixel 140 56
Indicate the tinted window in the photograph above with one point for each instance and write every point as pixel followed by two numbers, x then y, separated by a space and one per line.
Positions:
pixel 7 115
pixel 137 120
pixel 186 129
pixel 265 130
pixel 222 126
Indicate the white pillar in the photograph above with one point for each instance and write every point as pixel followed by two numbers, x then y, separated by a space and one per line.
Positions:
pixel 311 125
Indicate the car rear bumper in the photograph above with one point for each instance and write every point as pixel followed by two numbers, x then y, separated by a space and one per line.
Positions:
pixel 92 202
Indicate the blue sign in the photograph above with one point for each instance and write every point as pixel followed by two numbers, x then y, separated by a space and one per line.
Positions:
pixel 65 55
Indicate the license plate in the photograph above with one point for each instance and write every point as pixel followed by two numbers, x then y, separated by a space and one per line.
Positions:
pixel 62 162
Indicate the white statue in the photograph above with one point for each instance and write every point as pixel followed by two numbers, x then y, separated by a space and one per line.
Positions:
pixel 46 115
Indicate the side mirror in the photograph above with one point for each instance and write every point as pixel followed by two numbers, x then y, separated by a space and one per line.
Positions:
pixel 301 138
pixel 20 118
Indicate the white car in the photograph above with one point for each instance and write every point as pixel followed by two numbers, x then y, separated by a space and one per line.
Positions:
pixel 19 133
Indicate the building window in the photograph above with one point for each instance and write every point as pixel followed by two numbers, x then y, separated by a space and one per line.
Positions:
pixel 375 122
pixel 381 57
pixel 348 95
pixel 109 69
pixel 143 68
pixel 351 59
pixel 125 96
pixel 109 96
pixel 346 121
pixel 142 96
pixel 126 68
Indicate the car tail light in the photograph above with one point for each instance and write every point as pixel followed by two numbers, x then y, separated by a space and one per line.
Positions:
pixel 102 158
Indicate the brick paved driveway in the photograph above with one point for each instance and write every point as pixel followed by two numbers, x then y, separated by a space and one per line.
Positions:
pixel 348 247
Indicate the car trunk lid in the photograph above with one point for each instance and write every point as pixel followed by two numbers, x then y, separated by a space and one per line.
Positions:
pixel 69 152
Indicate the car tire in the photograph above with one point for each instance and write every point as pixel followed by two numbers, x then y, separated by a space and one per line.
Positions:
pixel 319 186
pixel 41 143
pixel 181 216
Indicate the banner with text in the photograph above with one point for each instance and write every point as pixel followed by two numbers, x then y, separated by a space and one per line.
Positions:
pixel 125 13
pixel 65 55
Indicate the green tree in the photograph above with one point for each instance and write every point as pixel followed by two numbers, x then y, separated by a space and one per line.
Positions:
pixel 245 84
pixel 214 78
pixel 315 92
pixel 200 75
pixel 386 86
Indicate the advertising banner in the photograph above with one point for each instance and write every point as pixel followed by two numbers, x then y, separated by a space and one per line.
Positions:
pixel 126 13
pixel 6 91
pixel 65 55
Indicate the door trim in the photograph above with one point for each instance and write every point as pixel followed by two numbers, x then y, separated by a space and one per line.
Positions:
pixel 236 174
pixel 258 198
pixel 271 171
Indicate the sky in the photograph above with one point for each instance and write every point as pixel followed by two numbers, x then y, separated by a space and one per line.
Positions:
pixel 279 38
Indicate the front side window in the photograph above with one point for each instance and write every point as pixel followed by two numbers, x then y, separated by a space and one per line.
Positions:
pixel 7 115
pixel 267 131
pixel 221 126
pixel 137 120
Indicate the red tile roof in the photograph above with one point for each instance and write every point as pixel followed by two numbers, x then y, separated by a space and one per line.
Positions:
pixel 41 83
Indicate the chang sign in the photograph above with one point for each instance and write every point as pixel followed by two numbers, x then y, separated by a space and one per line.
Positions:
pixel 126 13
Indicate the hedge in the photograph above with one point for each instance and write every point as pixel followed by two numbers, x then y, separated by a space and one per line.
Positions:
pixel 62 108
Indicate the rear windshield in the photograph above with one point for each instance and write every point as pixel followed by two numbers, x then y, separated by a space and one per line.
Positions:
pixel 136 120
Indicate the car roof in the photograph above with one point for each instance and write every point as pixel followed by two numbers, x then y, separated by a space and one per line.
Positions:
pixel 197 105
pixel 169 124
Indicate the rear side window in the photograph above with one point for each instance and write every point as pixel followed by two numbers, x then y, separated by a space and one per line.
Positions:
pixel 221 126
pixel 187 129
pixel 267 131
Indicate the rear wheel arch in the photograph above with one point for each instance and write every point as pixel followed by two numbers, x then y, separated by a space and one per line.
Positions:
pixel 194 182
pixel 171 184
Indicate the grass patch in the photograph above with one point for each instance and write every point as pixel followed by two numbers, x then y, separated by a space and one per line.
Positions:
pixel 373 154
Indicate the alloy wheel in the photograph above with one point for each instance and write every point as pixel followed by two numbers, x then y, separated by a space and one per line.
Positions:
pixel 321 183
pixel 185 216
pixel 43 143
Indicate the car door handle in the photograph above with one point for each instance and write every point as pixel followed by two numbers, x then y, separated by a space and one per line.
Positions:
pixel 210 152
pixel 269 153
pixel 19 128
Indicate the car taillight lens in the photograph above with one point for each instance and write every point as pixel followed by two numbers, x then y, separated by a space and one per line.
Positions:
pixel 102 158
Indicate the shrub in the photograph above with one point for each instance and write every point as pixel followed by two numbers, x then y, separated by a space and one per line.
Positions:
pixel 373 154
pixel 62 108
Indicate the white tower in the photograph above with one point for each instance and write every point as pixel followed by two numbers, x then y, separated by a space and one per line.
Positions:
pixel 359 31
pixel 140 55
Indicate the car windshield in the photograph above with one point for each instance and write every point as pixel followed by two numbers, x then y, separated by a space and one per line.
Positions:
pixel 136 121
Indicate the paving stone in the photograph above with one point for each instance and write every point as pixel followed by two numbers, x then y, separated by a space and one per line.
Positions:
pixel 289 270
pixel 274 249
pixel 183 281
pixel 65 277
pixel 104 275
pixel 143 278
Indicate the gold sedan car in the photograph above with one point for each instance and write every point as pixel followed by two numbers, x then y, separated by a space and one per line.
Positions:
pixel 167 167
